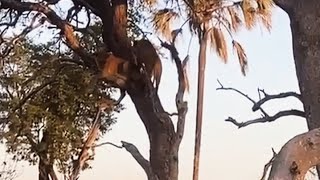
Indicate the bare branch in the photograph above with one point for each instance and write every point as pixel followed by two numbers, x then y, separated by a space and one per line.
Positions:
pixel 107 143
pixel 92 136
pixel 268 97
pixel 182 106
pixel 239 92
pixel 84 154
pixel 297 156
pixel 265 119
pixel 145 164
pixel 268 165
pixel 257 106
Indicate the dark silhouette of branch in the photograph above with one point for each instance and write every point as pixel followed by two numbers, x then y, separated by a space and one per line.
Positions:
pixel 265 119
pixel 268 97
pixel 241 93
pixel 257 106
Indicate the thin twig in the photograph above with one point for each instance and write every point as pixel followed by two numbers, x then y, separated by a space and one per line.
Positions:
pixel 268 165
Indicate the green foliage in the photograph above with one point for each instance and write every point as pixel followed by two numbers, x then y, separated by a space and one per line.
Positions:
pixel 47 105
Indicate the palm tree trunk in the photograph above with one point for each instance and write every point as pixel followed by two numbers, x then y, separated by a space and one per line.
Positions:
pixel 201 78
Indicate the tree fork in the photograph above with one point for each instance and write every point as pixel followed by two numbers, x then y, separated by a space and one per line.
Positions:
pixel 160 129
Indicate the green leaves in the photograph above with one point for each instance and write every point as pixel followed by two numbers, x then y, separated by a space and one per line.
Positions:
pixel 44 94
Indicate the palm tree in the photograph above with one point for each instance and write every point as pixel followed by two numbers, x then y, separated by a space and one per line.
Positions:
pixel 211 21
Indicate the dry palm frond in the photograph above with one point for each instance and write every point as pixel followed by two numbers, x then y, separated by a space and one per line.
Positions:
pixel 218 43
pixel 264 9
pixel 194 22
pixel 162 22
pixel 249 13
pixel 185 64
pixel 266 21
pixel 265 4
pixel 235 18
pixel 241 56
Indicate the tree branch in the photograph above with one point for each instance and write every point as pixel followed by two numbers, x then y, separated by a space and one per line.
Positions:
pixel 241 93
pixel 265 119
pixel 268 97
pixel 268 165
pixel 182 106
pixel 297 156
pixel 92 136
pixel 257 106
pixel 84 154
pixel 66 29
pixel 133 150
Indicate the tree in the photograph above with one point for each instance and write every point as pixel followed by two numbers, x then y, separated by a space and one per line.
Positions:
pixel 304 22
pixel 47 109
pixel 164 139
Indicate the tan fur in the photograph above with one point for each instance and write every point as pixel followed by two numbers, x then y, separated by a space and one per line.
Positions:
pixel 114 69
pixel 146 54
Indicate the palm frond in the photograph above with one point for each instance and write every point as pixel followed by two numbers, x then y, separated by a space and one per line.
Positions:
pixel 249 14
pixel 243 61
pixel 264 9
pixel 235 19
pixel 218 43
pixel 162 22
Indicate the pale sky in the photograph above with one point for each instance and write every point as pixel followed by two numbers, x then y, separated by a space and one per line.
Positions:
pixel 227 153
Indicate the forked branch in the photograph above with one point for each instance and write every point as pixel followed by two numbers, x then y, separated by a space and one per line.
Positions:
pixel 265 117
pixel 268 97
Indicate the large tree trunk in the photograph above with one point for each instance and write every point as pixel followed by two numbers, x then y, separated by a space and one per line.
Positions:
pixel 163 156
pixel 164 140
pixel 305 23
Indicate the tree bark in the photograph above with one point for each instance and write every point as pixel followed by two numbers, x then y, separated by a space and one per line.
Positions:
pixel 164 141
pixel 160 129
pixel 296 157
pixel 305 23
